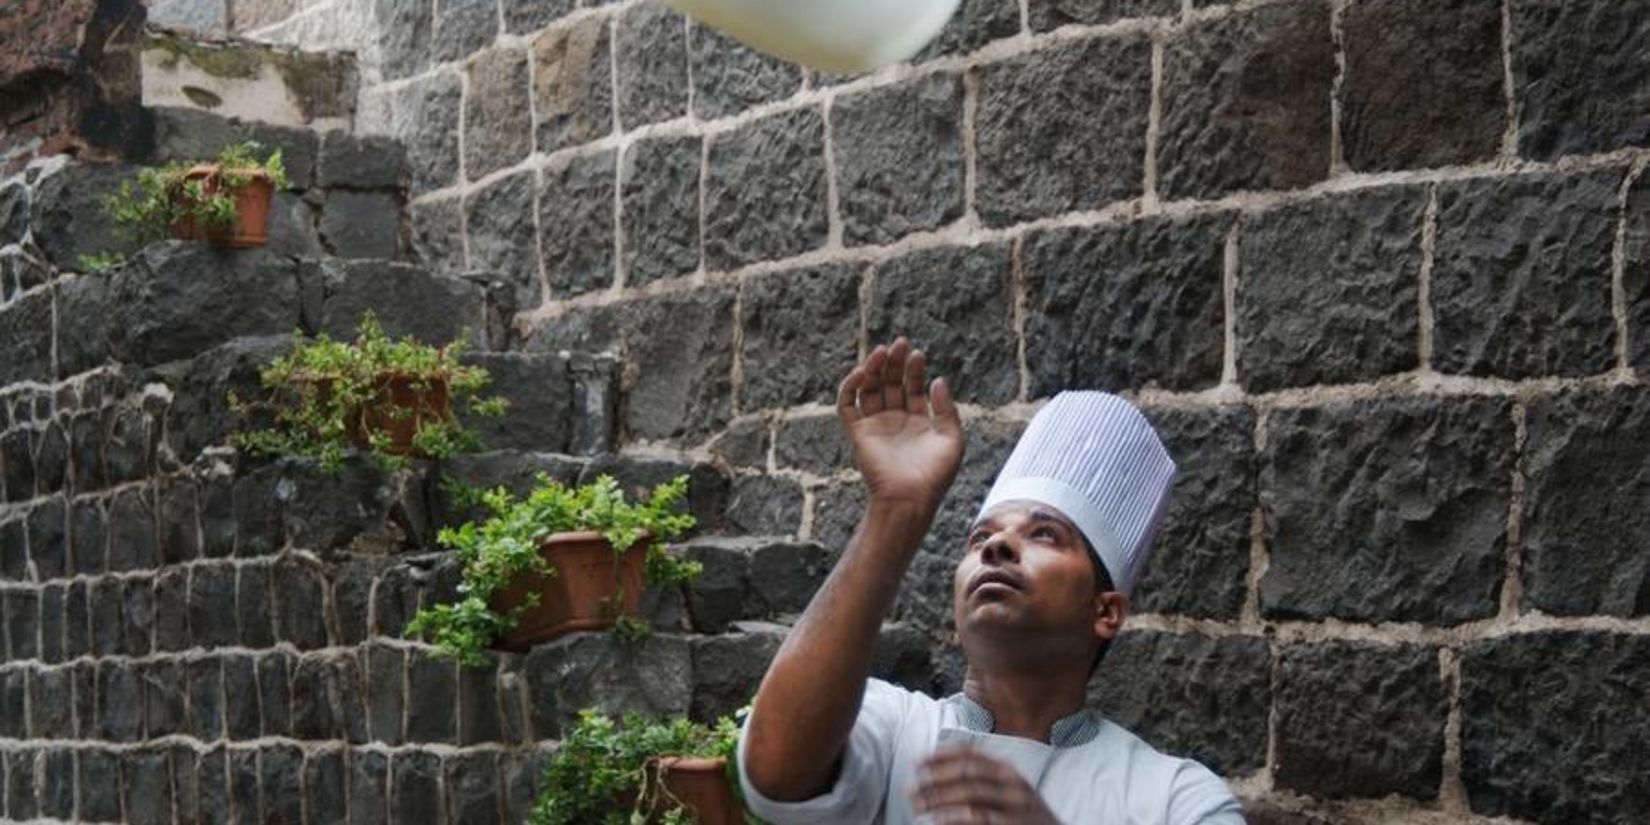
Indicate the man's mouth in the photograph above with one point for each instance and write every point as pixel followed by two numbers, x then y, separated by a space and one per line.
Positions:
pixel 994 581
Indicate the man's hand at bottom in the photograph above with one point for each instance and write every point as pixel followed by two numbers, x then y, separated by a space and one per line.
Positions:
pixel 960 786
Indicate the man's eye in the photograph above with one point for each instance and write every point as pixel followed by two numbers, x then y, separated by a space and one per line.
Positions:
pixel 1043 533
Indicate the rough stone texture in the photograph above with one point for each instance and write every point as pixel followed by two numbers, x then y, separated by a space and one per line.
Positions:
pixel 1391 698
pixel 572 84
pixel 437 233
pixel 1197 697
pixel 681 350
pixel 800 335
pixel 529 15
pixel 501 240
pixel 1575 69
pixel 1327 290
pixel 405 45
pixel 763 505
pixel 1423 84
pixel 976 23
pixel 576 224
pixel 189 135
pixel 423 115
pixel 707 485
pixel 814 444
pixel 498 126
pixel 178 300
pixel 659 179
pixel 1521 277
pixel 433 308
pixel 1587 465
pixel 1052 14
pixel 1063 128
pixel 199 415
pixel 584 670
pixel 1202 556
pixel 1246 102
pixel 26 338
pixel 765 190
pixel 14 212
pixel 728 670
pixel 729 77
pixel 899 158
pixel 651 40
pixel 1423 537
pixel 362 224
pixel 1636 274
pixel 1126 305
pixel 370 162
pixel 463 27
pixel 68 219
pixel 1537 740
pixel 957 305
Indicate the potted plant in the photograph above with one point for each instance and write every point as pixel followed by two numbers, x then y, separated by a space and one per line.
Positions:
pixel 560 560
pixel 632 771
pixel 395 398
pixel 224 201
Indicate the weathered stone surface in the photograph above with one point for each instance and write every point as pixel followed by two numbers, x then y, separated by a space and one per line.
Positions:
pixel 325 786
pixel 119 702
pixel 472 787
pixel 728 670
pixel 1587 470
pixel 18 456
pixel 1198 697
pixel 77 613
pixel 572 84
pixel 128 453
pixel 14 212
pixel 707 493
pixel 132 531
pixel 976 23
pixel 590 670
pixel 899 158
pixel 171 606
pixel 1550 723
pixel 179 300
pixel 729 77
pixel 80 341
pixel 252 607
pixel 1246 102
pixel 720 593
pixel 423 116
pixel 1052 14
pixel 437 233
pixel 956 304
pixel 1202 556
pixel 14 556
pixel 501 239
pixel 1635 280
pixel 801 328
pixel 814 444
pixel 1130 305
pixel 107 601
pixel 1423 84
pixel 68 219
pixel 539 391
pixel 192 135
pixel 1536 249
pixel 1389 697
pixel 199 415
pixel 405 44
pixel 576 224
pixel 522 772
pixel 206 696
pixel 415 787
pixel 432 693
pixel 435 309
pixel 368 787
pixel 22 802
pixel 97 790
pixel 362 224
pixel 659 179
pixel 164 692
pixel 681 347
pixel 744 444
pixel 1575 70
pixel 367 162
pixel 22 612
pixel 26 338
pixel 464 27
pixel 1327 290
pixel 49 718
pixel 243 782
pixel 765 190
pixel 1064 128
pixel 651 39
pixel 385 692
pixel 13 719
pixel 528 15
pixel 202 16
pixel 1422 539
pixel 275 693
pixel 764 505
pixel 498 126
pixel 300 606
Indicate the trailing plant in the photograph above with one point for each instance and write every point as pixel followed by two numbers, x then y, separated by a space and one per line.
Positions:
pixel 99 263
pixel 327 396
pixel 506 545
pixel 604 761
pixel 162 197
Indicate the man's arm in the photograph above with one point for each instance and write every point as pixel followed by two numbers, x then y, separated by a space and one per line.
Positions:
pixel 806 705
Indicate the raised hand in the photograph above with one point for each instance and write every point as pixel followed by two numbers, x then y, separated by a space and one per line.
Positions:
pixel 907 437
pixel 964 787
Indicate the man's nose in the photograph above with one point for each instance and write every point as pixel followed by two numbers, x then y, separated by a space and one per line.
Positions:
pixel 999 549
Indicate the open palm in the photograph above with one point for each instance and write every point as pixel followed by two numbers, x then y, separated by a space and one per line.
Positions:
pixel 908 441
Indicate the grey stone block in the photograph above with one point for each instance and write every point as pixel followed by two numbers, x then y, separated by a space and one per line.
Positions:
pixel 406 47
pixel 765 190
pixel 528 15
pixel 281 783
pixel 1391 698
pixel 1246 102
pixel 682 348
pixel 956 304
pixel 275 692
pixel 132 531
pixel 119 702
pixel 213 773
pixel 1156 319
pixel 368 788
pixel 479 718
pixel 362 224
pixel 81 346
pixel 1573 66
pixel 199 415
pixel 424 116
pixel 801 329
pixel 415 787
pixel 1327 290
pixel 365 162
pixel 97 791
pixel 432 693
pixel 178 300
pixel 326 782
pixel 67 218
pixel 976 23
pixel 651 39
pixel 728 669
pixel 14 212
pixel 164 695
pixel 814 444
pixel 472 787
pixel 576 221
pixel 744 443
pixel 498 126
pixel 204 678
pixel 659 179
pixel 26 336
pixel 49 717
pixel 729 77
pixel 707 495
pixel 764 505
pixel 253 610
pixel 300 604
pixel 240 679
pixel 1063 128
pixel 1424 538
pixel 437 234
pixel 899 158
pixel 171 606
pixel 540 394
pixel 501 239
pixel 1538 249
pixel 46 539
pixel 572 84
pixel 1045 15
pixel 1636 274
pixel 148 797
pixel 595 670
pixel 435 309
pixel 462 28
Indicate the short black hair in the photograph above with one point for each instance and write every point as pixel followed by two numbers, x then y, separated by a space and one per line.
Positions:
pixel 1102 583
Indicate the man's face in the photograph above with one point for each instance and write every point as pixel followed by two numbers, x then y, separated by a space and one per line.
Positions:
pixel 1026 577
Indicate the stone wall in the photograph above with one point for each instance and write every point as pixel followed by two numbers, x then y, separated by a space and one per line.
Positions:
pixel 1380 271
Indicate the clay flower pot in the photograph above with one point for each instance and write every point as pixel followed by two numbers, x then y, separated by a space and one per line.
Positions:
pixel 592 588
pixel 403 404
pixel 701 784
pixel 252 203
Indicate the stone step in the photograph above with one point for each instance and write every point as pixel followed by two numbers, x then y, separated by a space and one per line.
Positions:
pixel 251 81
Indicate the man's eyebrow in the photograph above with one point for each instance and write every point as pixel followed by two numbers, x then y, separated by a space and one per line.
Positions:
pixel 1043 514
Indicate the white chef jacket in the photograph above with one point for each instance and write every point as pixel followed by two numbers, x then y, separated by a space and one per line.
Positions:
pixel 1093 772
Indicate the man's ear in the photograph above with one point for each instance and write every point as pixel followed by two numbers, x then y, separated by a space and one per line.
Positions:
pixel 1111 608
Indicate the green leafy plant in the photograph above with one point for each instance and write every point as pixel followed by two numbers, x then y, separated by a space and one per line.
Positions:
pixel 328 396
pixel 605 761
pixel 506 545
pixel 99 263
pixel 162 197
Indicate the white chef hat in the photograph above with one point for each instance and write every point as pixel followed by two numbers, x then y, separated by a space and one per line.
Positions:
pixel 1095 458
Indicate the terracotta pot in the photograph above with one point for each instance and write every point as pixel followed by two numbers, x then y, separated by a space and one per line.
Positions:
pixel 252 203
pixel 427 401
pixel 592 588
pixel 701 784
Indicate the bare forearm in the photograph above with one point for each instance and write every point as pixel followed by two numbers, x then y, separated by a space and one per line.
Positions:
pixel 806 705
